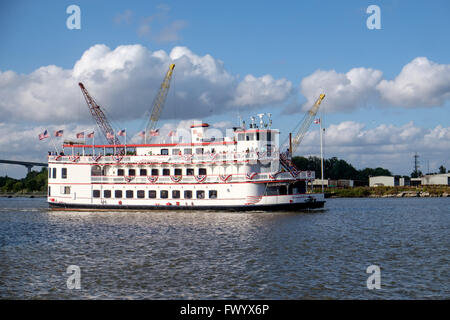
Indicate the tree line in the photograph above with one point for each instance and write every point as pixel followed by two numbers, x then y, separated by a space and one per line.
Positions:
pixel 335 169
pixel 34 181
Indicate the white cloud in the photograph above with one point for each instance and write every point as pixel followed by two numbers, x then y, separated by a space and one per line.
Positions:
pixel 124 81
pixel 344 92
pixel 420 83
pixel 387 146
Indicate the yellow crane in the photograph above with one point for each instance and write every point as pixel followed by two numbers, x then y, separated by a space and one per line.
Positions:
pixel 305 124
pixel 158 103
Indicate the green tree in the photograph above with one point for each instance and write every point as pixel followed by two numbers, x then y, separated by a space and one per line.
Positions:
pixel 442 169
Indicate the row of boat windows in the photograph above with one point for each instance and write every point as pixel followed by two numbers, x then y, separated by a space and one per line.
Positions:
pixel 52 173
pixel 165 172
pixel 264 136
pixel 152 194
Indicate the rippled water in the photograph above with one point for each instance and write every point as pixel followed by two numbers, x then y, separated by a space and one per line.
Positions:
pixel 228 255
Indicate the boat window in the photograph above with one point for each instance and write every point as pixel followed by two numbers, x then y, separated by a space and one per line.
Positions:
pixel 202 171
pixel 250 136
pixel 140 194
pixel 178 172
pixel 54 173
pixel 176 151
pixel 164 194
pixel 199 151
pixel 200 194
pixel 118 194
pixel 164 152
pixel 166 172
pixel 65 190
pixel 187 151
pixel 155 172
pixel 176 194
pixel 129 194
pixel 49 173
pixel 213 194
pixel 187 194
pixel 49 191
pixel 131 172
pixel 282 190
pixel 120 172
pixel 63 173
pixel 241 137
pixel 152 194
pixel 189 171
pixel 257 136
pixel 143 172
pixel 271 191
pixel 269 136
pixel 96 193
pixel 106 193
pixel 95 171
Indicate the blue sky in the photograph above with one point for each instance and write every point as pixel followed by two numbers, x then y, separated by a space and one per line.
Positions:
pixel 288 40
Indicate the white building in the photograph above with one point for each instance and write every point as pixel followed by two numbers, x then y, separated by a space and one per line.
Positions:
pixel 386 181
pixel 436 179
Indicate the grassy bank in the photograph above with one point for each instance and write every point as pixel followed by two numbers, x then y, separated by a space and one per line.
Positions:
pixel 387 192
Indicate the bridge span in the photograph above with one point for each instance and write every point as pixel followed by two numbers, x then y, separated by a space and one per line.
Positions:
pixel 27 164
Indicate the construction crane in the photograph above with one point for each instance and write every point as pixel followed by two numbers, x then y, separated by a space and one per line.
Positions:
pixel 305 124
pixel 158 103
pixel 99 117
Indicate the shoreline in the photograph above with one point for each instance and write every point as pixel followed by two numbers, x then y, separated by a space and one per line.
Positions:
pixel 390 192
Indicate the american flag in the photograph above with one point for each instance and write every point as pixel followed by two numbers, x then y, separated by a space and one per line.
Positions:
pixel 154 133
pixel 109 135
pixel 317 121
pixel 59 133
pixel 142 134
pixel 90 135
pixel 171 133
pixel 122 133
pixel 43 135
pixel 80 135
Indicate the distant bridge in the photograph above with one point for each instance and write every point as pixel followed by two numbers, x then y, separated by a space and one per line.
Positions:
pixel 27 164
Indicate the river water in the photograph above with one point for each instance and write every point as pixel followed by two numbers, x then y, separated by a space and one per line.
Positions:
pixel 322 254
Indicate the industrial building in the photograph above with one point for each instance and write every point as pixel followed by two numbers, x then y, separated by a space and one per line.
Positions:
pixel 388 181
pixel 436 179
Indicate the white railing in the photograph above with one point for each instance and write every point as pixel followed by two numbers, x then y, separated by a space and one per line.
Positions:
pixel 304 175
pixel 181 159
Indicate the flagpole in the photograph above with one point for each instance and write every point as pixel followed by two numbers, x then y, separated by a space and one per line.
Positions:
pixel 51 139
pixel 125 141
pixel 84 141
pixel 93 143
pixel 321 151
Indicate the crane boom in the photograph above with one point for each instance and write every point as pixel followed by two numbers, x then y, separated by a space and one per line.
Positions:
pixel 306 123
pixel 99 117
pixel 158 103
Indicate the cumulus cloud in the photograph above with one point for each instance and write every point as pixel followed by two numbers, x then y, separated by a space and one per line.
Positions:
pixel 124 81
pixel 386 145
pixel 420 83
pixel 344 92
